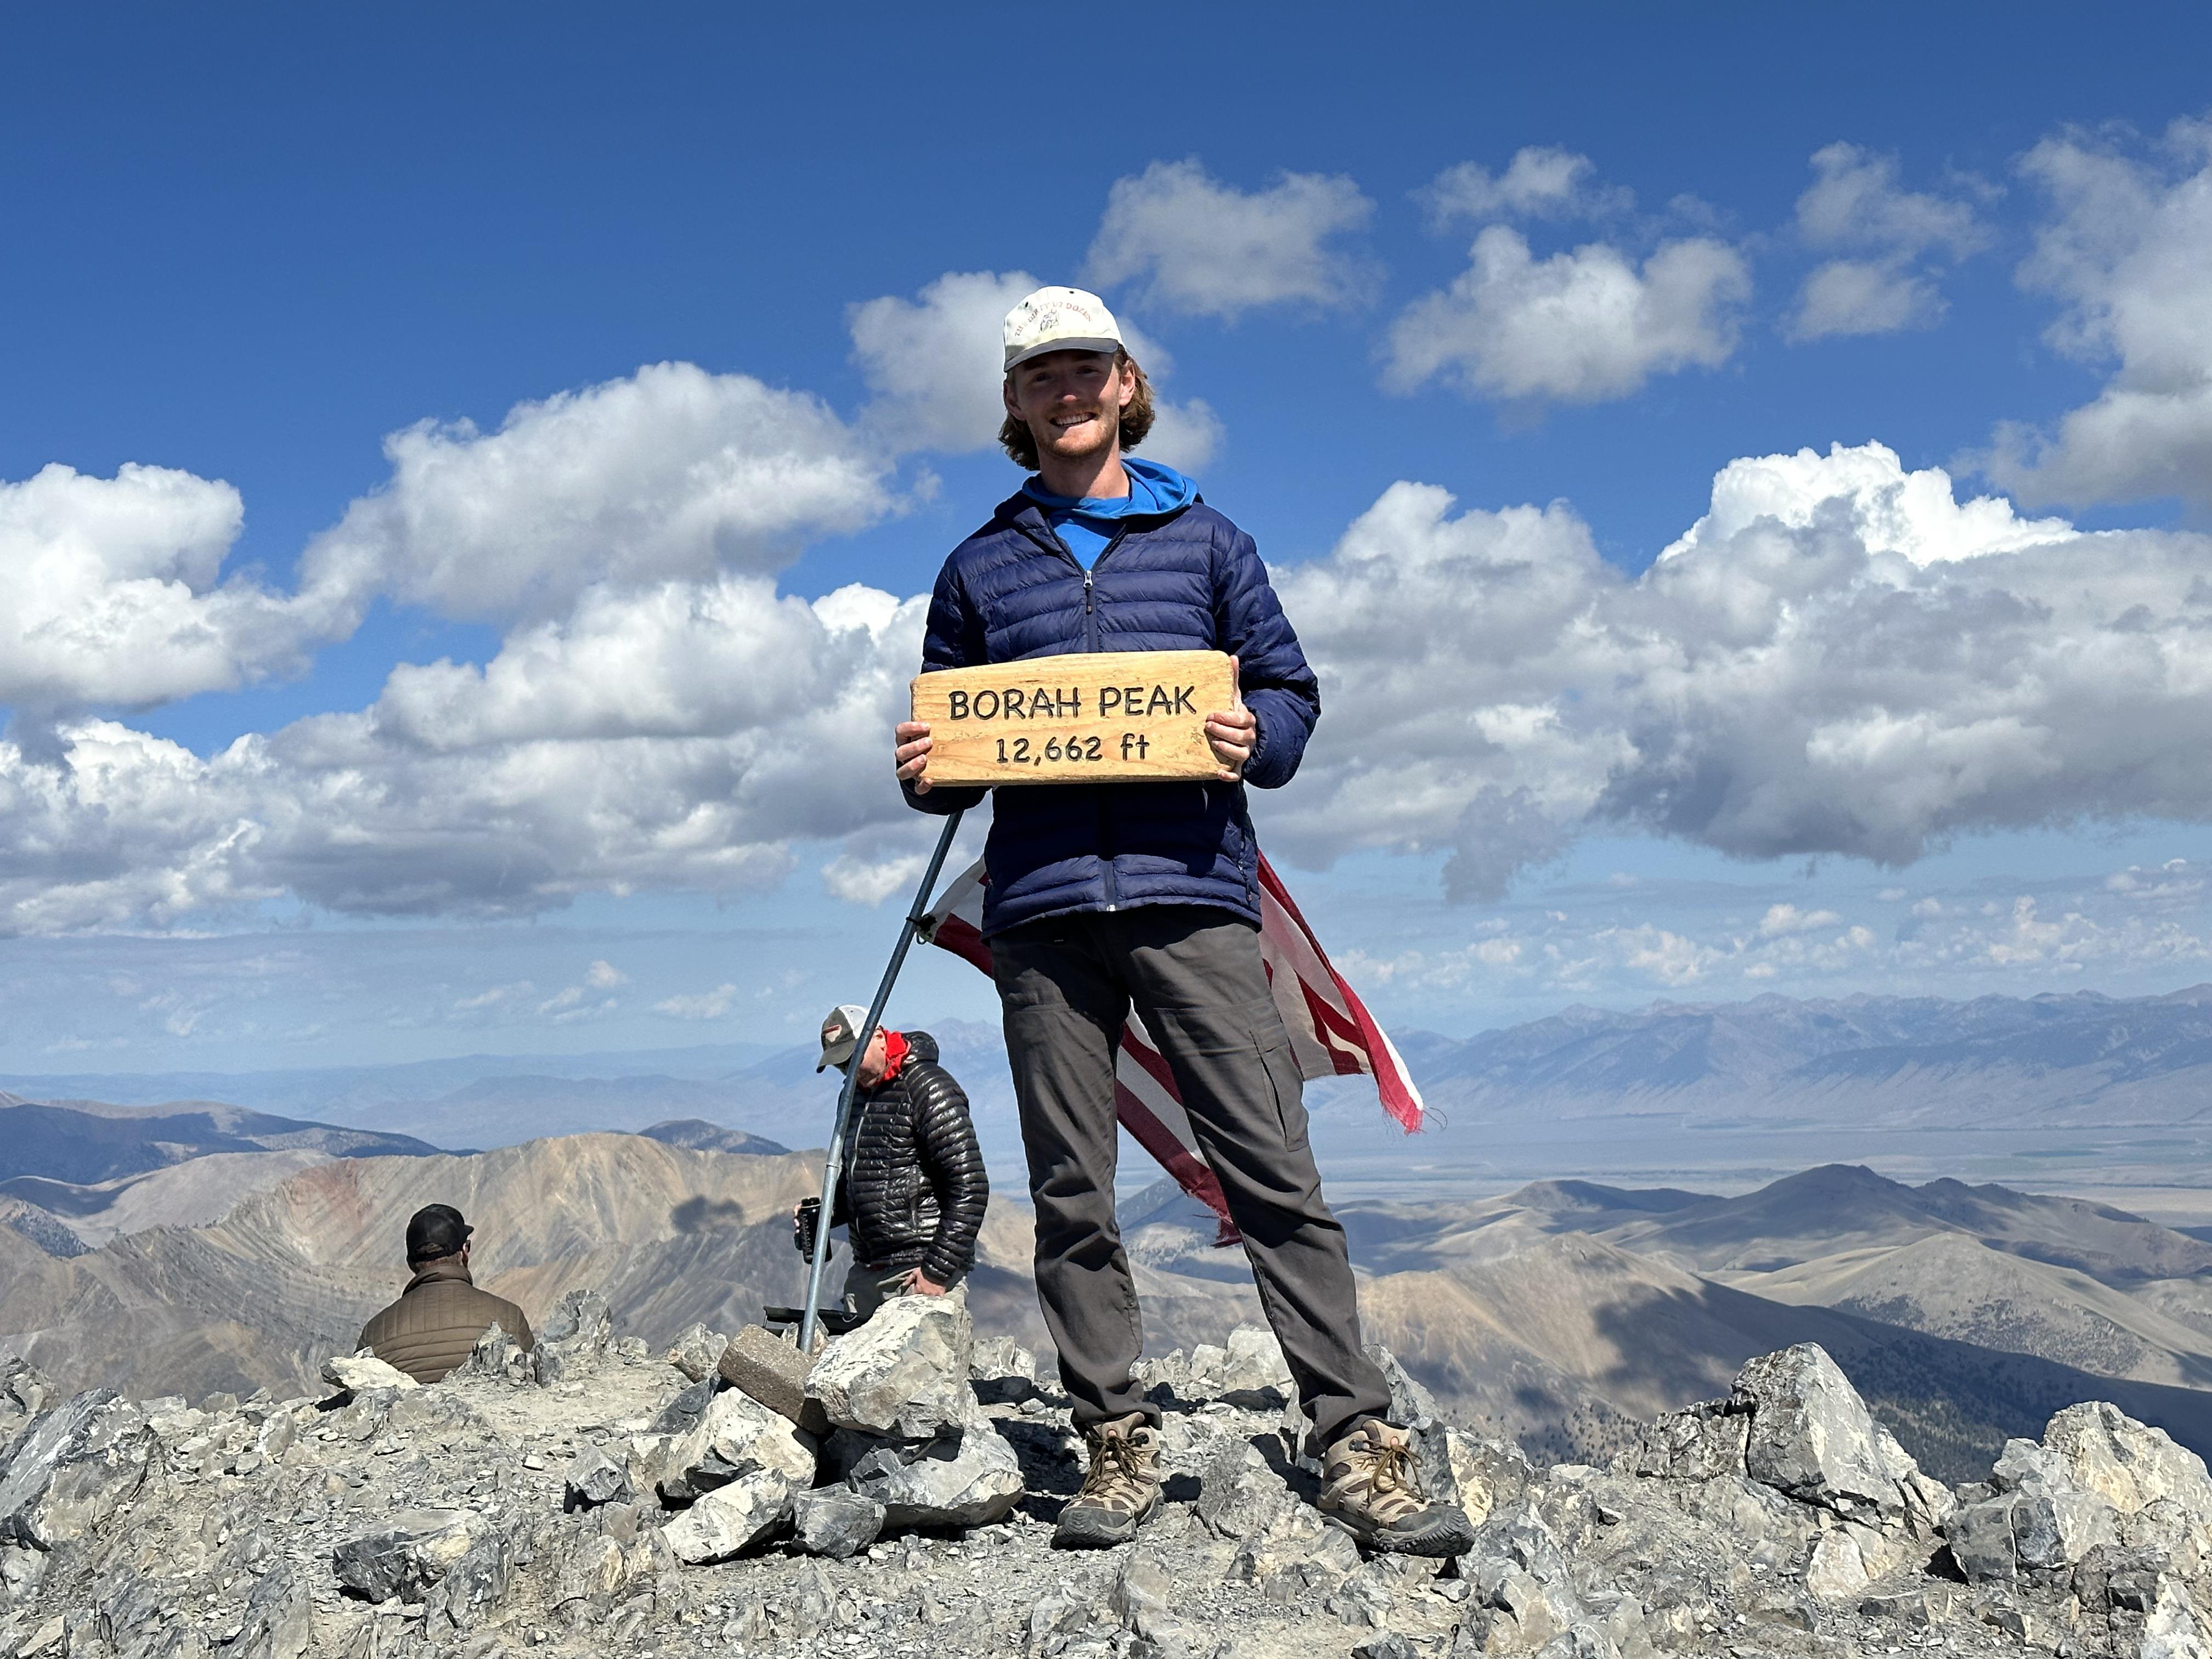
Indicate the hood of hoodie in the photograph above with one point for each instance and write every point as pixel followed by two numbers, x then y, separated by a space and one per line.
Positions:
pixel 1153 488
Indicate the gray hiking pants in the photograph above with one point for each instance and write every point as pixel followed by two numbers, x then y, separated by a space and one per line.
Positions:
pixel 1194 975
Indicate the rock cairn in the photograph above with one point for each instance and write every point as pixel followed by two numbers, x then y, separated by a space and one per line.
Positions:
pixel 890 1495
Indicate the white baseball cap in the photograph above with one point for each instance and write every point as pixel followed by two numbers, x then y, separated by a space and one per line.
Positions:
pixel 841 1029
pixel 1060 320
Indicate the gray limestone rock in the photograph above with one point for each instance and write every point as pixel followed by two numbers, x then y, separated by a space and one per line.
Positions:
pixel 2131 1466
pixel 410 1552
pixel 580 1333
pixel 280 1619
pixel 24 1392
pixel 734 1436
pixel 1700 1443
pixel 473 1588
pixel 2036 1519
pixel 697 1351
pixel 835 1521
pixel 72 1468
pixel 968 1477
pixel 1003 1371
pixel 593 1478
pixel 1252 1362
pixel 904 1372
pixel 1812 1439
pixel 499 1357
pixel 731 1519
pixel 1238 1493
pixel 356 1373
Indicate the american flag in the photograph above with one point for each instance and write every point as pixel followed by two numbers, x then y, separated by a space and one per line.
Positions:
pixel 1332 1033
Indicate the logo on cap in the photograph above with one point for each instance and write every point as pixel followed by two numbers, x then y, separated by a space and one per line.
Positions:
pixel 1060 320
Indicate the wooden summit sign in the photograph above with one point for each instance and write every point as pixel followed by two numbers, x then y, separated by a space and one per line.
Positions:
pixel 1090 717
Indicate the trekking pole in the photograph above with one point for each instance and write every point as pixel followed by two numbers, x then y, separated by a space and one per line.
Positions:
pixel 915 917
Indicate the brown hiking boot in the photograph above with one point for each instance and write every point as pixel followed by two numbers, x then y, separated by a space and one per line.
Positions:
pixel 1371 1487
pixel 1121 1490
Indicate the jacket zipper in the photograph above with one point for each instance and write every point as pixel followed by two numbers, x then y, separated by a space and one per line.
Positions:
pixel 1091 643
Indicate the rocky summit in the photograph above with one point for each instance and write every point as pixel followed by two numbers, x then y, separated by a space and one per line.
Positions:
pixel 892 1494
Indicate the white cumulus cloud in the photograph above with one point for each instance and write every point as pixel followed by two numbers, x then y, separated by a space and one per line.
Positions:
pixel 670 473
pixel 1579 327
pixel 1889 240
pixel 1840 658
pixel 2127 251
pixel 1201 247
pixel 110 592
pixel 1538 183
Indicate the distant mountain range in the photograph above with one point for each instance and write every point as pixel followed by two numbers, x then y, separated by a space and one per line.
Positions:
pixel 2075 1060
pixel 1917 1084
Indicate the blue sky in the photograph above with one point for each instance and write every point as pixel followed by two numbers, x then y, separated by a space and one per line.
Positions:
pixel 247 247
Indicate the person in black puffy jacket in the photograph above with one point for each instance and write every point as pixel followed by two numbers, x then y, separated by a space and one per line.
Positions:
pixel 912 1193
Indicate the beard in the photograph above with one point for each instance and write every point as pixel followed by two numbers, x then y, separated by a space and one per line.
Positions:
pixel 1094 437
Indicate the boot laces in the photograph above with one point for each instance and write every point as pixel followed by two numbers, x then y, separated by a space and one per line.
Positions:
pixel 1392 1469
pixel 1113 1455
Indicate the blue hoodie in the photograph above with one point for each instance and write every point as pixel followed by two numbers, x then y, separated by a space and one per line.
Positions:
pixel 1085 524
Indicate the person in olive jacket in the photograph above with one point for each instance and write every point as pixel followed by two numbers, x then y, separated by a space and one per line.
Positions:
pixel 441 1313
pixel 912 1193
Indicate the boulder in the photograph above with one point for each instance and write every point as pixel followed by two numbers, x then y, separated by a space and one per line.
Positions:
pixel 2174 1628
pixel 697 1351
pixel 1812 1439
pixel 72 1468
pixel 470 1591
pixel 357 1373
pixel 2132 1466
pixel 593 1479
pixel 764 1366
pixel 1703 1442
pixel 835 1521
pixel 1004 1372
pixel 2036 1519
pixel 731 1519
pixel 735 1434
pixel 498 1357
pixel 903 1373
pixel 580 1332
pixel 1238 1493
pixel 1253 1362
pixel 410 1552
pixel 968 1477
pixel 1837 1572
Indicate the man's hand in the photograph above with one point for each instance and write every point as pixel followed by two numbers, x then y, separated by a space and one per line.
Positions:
pixel 919 1283
pixel 1233 734
pixel 912 754
pixel 803 1216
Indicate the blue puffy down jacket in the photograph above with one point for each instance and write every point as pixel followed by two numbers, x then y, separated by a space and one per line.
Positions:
pixel 1184 580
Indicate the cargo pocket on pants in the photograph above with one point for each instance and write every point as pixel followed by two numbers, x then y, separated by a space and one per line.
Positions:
pixel 1282 1081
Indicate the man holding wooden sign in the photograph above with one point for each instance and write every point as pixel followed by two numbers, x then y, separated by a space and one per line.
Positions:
pixel 1106 606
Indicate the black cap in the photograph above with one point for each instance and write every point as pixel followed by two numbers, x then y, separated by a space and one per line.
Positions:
pixel 434 1230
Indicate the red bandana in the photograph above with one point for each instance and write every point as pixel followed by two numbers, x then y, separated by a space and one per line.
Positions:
pixel 895 1054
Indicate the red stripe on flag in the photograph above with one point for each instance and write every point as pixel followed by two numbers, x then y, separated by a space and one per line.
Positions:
pixel 1398 1099
pixel 1190 1173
